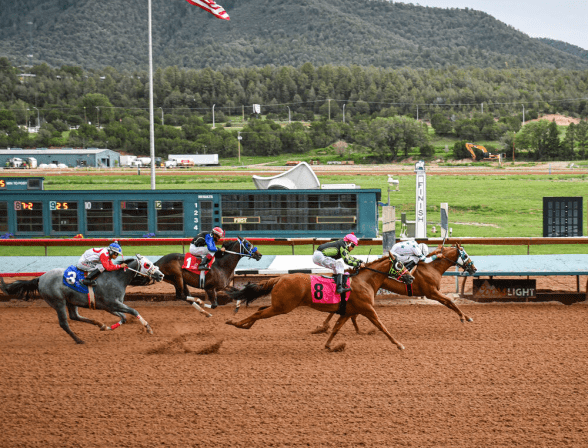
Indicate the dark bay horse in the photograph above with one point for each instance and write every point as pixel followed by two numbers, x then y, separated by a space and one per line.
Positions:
pixel 218 278
pixel 427 281
pixel 109 293
pixel 290 291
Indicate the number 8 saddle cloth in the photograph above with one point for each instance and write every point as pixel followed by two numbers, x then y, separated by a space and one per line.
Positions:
pixel 323 289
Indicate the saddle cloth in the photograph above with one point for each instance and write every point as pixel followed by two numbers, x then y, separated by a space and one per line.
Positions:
pixel 72 278
pixel 323 289
pixel 191 263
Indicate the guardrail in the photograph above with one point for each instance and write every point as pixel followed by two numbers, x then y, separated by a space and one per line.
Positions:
pixel 97 242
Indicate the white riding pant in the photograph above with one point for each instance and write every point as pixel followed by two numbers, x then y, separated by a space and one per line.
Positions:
pixel 89 266
pixel 337 266
pixel 406 258
pixel 200 251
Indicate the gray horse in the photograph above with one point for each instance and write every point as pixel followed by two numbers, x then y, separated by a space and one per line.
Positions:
pixel 109 293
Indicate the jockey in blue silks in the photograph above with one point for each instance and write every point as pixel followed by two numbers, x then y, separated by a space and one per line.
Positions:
pixel 204 247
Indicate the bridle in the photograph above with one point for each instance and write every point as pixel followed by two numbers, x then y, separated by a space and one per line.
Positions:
pixel 463 261
pixel 246 249
pixel 397 270
pixel 150 272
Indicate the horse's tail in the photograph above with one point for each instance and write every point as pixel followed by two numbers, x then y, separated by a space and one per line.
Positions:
pixel 253 291
pixel 21 288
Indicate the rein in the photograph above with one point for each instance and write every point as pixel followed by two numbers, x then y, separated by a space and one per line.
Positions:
pixel 389 273
pixel 248 253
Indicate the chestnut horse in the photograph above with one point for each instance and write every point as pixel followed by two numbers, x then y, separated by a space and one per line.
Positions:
pixel 290 291
pixel 427 281
pixel 218 278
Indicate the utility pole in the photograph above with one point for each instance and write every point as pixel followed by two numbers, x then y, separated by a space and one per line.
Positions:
pixel 329 108
pixel 98 116
pixel 343 113
pixel 30 55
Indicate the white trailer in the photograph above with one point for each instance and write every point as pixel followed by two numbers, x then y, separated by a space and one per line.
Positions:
pixel 127 160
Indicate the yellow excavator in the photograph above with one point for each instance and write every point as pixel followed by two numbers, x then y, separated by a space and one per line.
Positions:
pixel 487 156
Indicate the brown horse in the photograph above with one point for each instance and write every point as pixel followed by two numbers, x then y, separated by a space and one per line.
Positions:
pixel 427 281
pixel 293 290
pixel 217 279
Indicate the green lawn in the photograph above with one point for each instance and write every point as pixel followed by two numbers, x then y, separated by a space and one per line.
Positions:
pixel 479 206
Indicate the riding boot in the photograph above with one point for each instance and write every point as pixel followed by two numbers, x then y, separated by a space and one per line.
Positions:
pixel 203 266
pixel 339 282
pixel 90 279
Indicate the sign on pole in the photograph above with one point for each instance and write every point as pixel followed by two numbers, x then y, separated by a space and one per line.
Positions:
pixel 444 220
pixel 421 200
pixel 388 228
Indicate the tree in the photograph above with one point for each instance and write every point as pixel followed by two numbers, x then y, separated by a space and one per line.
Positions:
pixel 387 137
pixel 441 124
pixel 553 143
pixel 568 143
pixel 534 136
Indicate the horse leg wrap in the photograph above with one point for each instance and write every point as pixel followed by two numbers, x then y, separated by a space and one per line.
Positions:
pixel 143 321
pixel 116 325
pixel 195 305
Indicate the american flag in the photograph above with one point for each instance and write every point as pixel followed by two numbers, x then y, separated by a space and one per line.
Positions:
pixel 211 7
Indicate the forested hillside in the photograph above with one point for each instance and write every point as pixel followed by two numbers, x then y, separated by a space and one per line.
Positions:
pixel 381 33
pixel 379 112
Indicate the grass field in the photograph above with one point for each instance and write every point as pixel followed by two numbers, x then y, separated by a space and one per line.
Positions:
pixel 479 206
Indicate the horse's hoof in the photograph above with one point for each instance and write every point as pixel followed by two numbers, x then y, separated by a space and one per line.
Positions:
pixel 338 348
pixel 319 330
pixel 149 329
pixel 470 319
pixel 400 347
pixel 79 341
pixel 103 328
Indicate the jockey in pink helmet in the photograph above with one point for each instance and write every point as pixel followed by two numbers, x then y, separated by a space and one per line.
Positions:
pixel 335 255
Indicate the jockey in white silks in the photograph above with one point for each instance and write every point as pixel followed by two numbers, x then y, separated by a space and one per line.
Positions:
pixel 98 260
pixel 410 253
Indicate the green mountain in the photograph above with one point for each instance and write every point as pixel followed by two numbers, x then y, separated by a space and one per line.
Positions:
pixel 381 33
pixel 568 48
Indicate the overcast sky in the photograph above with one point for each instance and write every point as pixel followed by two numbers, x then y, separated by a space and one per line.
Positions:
pixel 563 20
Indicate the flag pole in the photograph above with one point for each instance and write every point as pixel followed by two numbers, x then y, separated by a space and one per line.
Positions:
pixel 151 125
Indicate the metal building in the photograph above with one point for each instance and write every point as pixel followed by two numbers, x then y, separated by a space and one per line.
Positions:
pixel 72 157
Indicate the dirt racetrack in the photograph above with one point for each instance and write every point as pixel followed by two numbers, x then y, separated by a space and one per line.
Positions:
pixel 516 376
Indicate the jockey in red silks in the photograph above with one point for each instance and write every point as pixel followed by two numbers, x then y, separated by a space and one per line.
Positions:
pixel 98 260
pixel 204 247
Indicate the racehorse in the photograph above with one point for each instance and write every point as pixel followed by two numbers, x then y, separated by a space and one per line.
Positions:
pixel 427 282
pixel 108 294
pixel 218 278
pixel 293 290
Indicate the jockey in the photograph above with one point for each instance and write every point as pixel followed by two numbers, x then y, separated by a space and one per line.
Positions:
pixel 98 260
pixel 335 255
pixel 410 253
pixel 204 246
